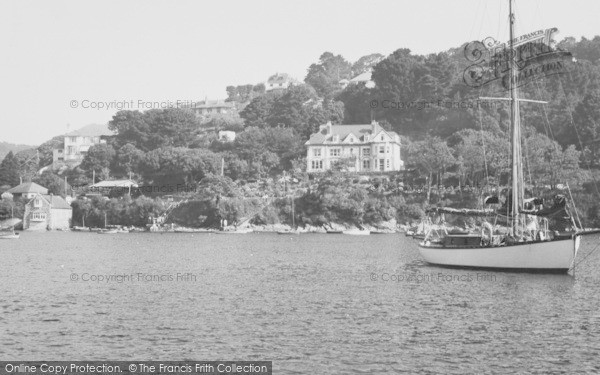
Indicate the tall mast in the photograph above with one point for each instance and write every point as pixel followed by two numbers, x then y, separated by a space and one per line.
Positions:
pixel 516 167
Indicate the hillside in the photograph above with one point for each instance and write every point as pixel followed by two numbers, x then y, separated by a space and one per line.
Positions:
pixel 6 147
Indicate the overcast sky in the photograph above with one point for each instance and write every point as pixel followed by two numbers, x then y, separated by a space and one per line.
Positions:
pixel 56 52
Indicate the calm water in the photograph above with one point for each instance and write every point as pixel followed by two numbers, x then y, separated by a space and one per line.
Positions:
pixel 313 304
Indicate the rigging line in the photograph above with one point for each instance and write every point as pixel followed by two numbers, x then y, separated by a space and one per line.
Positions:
pixel 500 14
pixel 577 131
pixel 483 140
pixel 472 33
pixel 547 125
pixel 487 177
pixel 485 3
pixel 574 207
pixel 528 163
pixel 588 254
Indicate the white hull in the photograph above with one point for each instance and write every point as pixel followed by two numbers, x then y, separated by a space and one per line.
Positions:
pixel 549 255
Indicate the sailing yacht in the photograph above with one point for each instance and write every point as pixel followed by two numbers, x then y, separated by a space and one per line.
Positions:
pixel 518 248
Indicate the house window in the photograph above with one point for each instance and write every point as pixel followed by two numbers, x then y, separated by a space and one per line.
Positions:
pixel 37 202
pixel 366 165
pixel 317 152
pixel 387 163
pixel 335 152
pixel 381 164
pixel 351 140
pixel 73 139
pixel 351 151
pixel 382 137
pixel 382 149
pixel 70 150
pixel 38 216
pixel 388 149
pixel 317 164
pixel 366 151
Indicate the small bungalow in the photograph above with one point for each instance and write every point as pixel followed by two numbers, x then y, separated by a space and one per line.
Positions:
pixel 47 212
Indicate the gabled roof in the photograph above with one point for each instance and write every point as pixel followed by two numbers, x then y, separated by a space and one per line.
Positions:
pixel 390 134
pixel 92 130
pixel 359 131
pixel 364 77
pixel 57 201
pixel 28 187
pixel 343 131
pixel 348 137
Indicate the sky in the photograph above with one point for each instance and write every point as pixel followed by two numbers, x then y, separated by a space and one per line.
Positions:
pixel 62 59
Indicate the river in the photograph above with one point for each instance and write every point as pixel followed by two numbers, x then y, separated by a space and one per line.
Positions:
pixel 311 303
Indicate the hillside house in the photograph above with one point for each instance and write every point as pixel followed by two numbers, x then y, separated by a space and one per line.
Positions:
pixel 369 147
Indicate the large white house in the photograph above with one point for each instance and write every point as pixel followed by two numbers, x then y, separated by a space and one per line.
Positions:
pixel 369 148
pixel 77 143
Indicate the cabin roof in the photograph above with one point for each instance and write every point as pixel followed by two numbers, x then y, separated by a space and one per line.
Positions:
pixel 28 187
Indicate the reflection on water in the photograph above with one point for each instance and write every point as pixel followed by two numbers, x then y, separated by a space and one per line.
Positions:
pixel 326 304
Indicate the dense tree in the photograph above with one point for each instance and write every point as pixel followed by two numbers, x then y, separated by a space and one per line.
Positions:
pixel 258 112
pixel 366 63
pixel 99 159
pixel 156 128
pixel 54 183
pixel 244 93
pixel 171 166
pixel 268 151
pixel 292 110
pixel 546 163
pixel 127 159
pixel 325 76
pixel 432 157
pixel 131 127
pixel 12 208
pixel 587 120
pixel 216 122
pixel 9 170
pixel 356 99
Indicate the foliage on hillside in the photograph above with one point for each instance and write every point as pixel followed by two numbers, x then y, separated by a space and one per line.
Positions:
pixel 450 136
